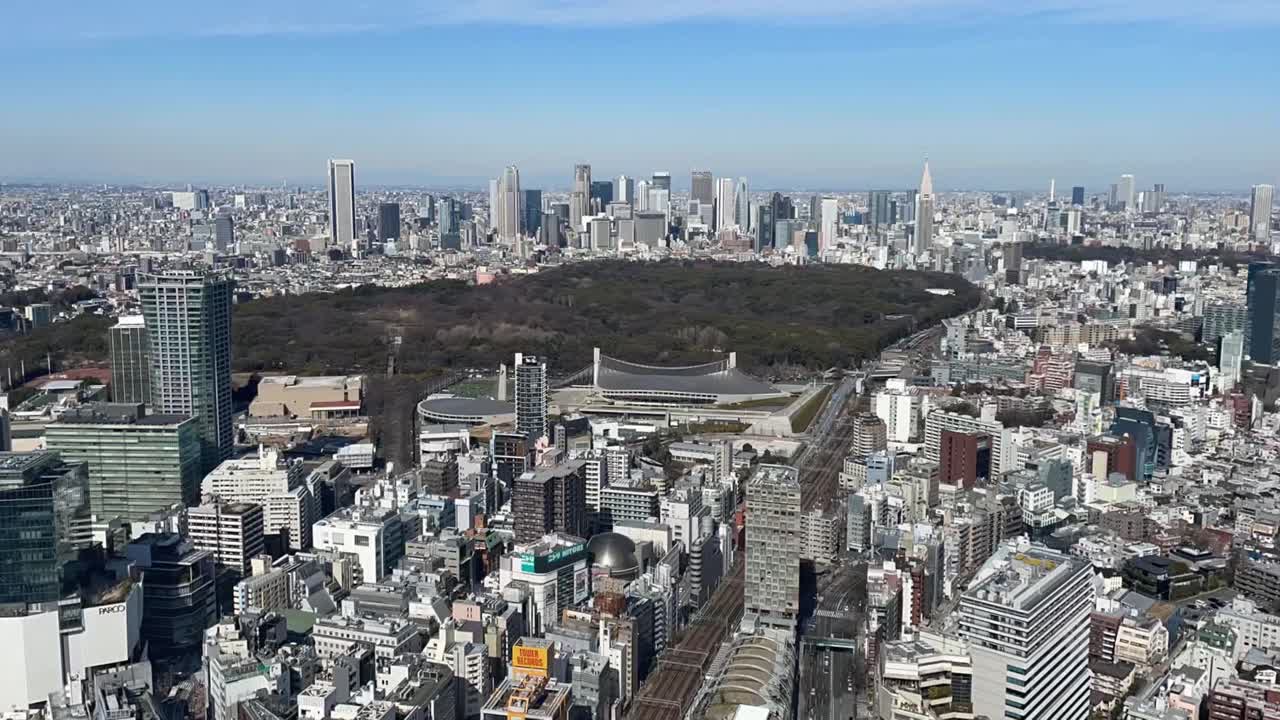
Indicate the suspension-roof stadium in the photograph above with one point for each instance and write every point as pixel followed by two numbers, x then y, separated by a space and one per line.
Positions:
pixel 713 383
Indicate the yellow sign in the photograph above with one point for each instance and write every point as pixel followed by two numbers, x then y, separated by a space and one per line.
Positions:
pixel 531 659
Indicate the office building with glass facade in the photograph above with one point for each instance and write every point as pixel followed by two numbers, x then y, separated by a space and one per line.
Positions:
pixel 178 594
pixel 41 498
pixel 130 361
pixel 137 464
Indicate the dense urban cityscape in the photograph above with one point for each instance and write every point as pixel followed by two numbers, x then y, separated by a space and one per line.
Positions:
pixel 1034 478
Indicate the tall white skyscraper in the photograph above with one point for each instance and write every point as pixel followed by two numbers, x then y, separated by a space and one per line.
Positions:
pixel 742 198
pixel 1260 201
pixel 342 204
pixel 1126 192
pixel 924 213
pixel 829 230
pixel 726 205
pixel 659 200
pixel 642 195
pixel 624 189
pixel 772 589
pixel 510 205
pixel 1026 618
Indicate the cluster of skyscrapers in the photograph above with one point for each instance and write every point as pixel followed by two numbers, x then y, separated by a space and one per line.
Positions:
pixel 624 212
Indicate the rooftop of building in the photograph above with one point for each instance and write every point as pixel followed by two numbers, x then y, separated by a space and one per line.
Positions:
pixel 424 682
pixel 694 447
pixel 167 546
pixel 538 697
pixel 369 622
pixel 914 649
pixel 634 485
pixel 775 475
pixel 550 543
pixel 117 414
pixel 22 463
pixel 131 321
pixel 357 515
pixel 332 382
pixel 542 475
pixel 232 508
pixel 1018 575
pixel 452 406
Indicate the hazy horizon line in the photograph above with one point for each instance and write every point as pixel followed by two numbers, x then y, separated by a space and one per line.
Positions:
pixel 480 185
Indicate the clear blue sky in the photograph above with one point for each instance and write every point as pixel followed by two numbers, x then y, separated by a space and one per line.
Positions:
pixel 805 94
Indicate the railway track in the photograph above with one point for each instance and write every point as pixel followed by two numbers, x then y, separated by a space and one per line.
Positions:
pixel 672 687
pixel 674 683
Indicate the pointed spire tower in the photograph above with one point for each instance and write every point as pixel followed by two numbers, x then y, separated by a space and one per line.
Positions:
pixel 923 238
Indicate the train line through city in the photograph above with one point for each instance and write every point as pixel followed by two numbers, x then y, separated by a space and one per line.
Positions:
pixel 674 683
pixel 672 687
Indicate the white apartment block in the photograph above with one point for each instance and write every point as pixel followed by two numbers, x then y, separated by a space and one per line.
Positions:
pixel 618 460
pixel 233 675
pixel 682 511
pixel 278 486
pixel 719 455
pixel 1171 386
pixel 900 409
pixel 373 537
pixel 443 442
pixel 595 476
pixel 1004 452
pixel 268 591
pixel 1142 642
pixel 926 677
pixel 1254 628
pixel 629 504
pixel 389 637
pixel 853 476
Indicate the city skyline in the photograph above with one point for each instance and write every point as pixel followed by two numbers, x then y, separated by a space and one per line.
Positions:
pixel 684 359
pixel 999 98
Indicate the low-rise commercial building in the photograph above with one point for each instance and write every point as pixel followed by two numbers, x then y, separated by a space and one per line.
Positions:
pixel 925 678
pixel 373 536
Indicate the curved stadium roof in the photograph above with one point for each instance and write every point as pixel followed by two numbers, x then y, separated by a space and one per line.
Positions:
pixel 709 382
pixel 454 409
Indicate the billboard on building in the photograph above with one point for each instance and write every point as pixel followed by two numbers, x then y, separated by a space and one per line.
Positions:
pixel 530 659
